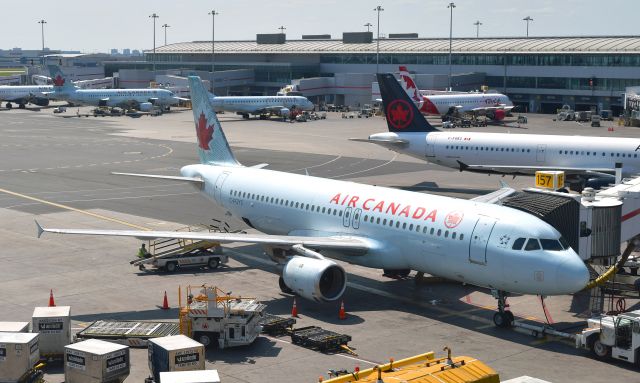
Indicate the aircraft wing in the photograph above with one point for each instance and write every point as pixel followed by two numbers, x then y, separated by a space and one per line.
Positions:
pixel 510 169
pixel 270 109
pixel 492 108
pixel 347 243
pixel 496 196
pixel 387 142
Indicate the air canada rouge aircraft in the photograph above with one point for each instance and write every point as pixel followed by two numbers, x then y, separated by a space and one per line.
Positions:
pixel 305 221
pixel 493 105
pixel 586 161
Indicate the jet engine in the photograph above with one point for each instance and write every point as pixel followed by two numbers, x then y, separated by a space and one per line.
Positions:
pixel 40 101
pixel 321 280
pixel 499 114
pixel 284 112
pixel 145 106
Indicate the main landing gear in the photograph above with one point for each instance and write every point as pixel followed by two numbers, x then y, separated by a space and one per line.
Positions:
pixel 503 318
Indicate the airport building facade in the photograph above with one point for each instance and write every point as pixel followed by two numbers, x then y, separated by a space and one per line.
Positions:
pixel 539 74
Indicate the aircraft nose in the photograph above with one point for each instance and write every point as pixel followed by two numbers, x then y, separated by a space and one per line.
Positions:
pixel 572 275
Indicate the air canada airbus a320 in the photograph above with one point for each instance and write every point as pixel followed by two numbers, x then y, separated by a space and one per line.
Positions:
pixel 305 221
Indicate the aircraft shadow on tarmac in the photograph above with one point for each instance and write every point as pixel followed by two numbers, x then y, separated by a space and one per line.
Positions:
pixel 433 186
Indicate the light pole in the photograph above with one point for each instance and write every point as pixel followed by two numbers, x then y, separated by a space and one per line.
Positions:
pixel 282 28
pixel 378 9
pixel 477 24
pixel 368 25
pixel 154 17
pixel 527 19
pixel 42 23
pixel 165 26
pixel 450 6
pixel 213 14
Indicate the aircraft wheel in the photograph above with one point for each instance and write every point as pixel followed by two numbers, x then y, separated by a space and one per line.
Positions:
pixel 171 267
pixel 9 105
pixel 21 106
pixel 503 319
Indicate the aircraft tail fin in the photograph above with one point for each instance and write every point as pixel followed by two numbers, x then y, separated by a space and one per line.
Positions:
pixel 60 80
pixel 409 85
pixel 213 147
pixel 402 113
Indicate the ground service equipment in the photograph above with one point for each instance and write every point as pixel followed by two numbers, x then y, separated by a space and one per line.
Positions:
pixel 54 326
pixel 130 333
pixel 96 361
pixel 424 368
pixel 275 325
pixel 613 336
pixel 174 353
pixel 317 338
pixel 14 326
pixel 19 354
pixel 215 316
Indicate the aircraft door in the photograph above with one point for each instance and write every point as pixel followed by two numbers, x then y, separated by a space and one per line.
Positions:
pixel 480 239
pixel 431 145
pixel 540 153
pixel 346 217
pixel 217 189
pixel 356 218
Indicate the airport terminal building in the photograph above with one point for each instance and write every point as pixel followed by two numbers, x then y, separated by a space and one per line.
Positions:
pixel 540 74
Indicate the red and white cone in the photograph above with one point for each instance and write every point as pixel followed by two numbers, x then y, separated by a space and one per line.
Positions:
pixel 342 314
pixel 52 302
pixel 165 302
pixel 294 309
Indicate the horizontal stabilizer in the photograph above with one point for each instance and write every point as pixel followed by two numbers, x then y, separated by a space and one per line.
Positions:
pixel 193 180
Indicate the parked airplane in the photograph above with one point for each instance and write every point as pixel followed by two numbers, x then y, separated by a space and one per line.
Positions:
pixel 586 161
pixel 308 220
pixel 259 105
pixel 493 105
pixel 25 94
pixel 142 99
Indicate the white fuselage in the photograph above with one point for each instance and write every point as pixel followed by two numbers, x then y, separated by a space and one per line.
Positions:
pixel 22 93
pixel 521 150
pixel 463 102
pixel 258 104
pixel 117 97
pixel 456 239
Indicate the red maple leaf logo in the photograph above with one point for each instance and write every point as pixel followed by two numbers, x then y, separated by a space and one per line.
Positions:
pixel 400 114
pixel 204 132
pixel 453 219
pixel 58 81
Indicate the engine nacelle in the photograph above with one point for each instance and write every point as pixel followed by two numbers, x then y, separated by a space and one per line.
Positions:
pixel 321 280
pixel 284 112
pixel 146 106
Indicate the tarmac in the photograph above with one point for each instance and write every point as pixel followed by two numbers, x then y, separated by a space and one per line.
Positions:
pixel 57 170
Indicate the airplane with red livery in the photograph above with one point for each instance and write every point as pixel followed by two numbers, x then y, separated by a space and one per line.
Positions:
pixel 305 222
pixel 445 104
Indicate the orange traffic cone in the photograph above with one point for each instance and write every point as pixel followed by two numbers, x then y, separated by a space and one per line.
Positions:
pixel 294 309
pixel 52 302
pixel 165 302
pixel 341 313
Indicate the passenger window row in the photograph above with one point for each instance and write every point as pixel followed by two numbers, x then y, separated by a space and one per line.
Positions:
pixel 590 153
pixel 487 148
pixel 286 202
pixel 411 227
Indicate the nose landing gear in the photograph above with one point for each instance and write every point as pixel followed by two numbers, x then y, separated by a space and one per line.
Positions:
pixel 503 318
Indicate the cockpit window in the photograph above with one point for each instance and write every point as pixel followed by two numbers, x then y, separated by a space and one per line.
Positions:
pixel 564 243
pixel 532 244
pixel 551 244
pixel 517 244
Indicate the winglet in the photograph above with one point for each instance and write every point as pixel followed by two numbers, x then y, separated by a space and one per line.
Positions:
pixel 40 229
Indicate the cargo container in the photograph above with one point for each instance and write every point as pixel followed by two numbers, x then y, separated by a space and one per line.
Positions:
pixel 205 376
pixel 19 353
pixel 96 361
pixel 174 353
pixel 14 326
pixel 54 326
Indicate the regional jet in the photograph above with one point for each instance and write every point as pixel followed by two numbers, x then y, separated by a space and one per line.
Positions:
pixel 262 106
pixel 587 161
pixel 493 105
pixel 143 99
pixel 25 94
pixel 305 221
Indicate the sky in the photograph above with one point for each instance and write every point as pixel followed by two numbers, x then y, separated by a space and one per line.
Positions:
pixel 98 26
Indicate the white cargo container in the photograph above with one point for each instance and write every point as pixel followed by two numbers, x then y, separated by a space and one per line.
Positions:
pixel 19 352
pixel 174 353
pixel 205 376
pixel 14 326
pixel 54 326
pixel 96 361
